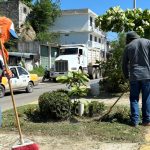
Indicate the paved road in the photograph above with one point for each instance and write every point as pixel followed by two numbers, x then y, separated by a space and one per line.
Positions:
pixel 22 98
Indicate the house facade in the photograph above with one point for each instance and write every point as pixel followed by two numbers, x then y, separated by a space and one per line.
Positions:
pixel 77 26
pixel 44 53
pixel 15 10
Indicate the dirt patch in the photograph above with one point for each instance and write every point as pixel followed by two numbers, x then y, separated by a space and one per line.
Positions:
pixel 108 100
pixel 65 143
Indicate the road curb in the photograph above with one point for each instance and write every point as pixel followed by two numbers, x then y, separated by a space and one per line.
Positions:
pixel 146 145
pixel 34 102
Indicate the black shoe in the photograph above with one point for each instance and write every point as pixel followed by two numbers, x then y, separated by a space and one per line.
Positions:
pixel 146 124
pixel 133 125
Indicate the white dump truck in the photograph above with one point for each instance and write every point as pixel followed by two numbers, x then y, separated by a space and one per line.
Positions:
pixel 75 57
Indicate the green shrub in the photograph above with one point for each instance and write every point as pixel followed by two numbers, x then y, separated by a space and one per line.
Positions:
pixel 95 108
pixel 38 70
pixel 63 91
pixel 76 82
pixel 55 105
pixel 75 107
pixel 119 114
pixel 113 78
pixel 114 86
pixel 122 114
pixel 33 114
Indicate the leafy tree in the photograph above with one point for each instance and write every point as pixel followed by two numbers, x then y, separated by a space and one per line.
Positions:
pixel 43 14
pixel 117 20
pixel 27 2
pixel 76 82
pixel 113 78
pixel 47 36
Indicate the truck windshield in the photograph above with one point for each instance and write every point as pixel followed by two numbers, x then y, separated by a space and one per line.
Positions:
pixel 68 51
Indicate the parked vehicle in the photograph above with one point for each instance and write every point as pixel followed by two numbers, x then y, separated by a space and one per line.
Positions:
pixel 21 80
pixel 75 57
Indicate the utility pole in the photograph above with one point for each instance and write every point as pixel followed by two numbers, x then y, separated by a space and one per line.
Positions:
pixel 134 4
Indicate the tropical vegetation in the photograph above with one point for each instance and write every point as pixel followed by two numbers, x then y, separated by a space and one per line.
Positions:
pixel 43 14
pixel 114 80
pixel 117 20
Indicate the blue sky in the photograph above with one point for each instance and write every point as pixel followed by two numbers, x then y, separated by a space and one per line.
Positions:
pixel 100 6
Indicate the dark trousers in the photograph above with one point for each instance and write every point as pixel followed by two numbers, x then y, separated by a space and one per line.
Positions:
pixel 135 88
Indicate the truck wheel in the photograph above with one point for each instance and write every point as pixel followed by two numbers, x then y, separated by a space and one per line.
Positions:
pixel 2 91
pixel 29 88
pixel 93 73
pixel 43 79
pixel 54 80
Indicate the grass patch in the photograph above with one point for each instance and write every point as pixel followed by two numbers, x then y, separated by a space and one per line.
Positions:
pixel 38 70
pixel 102 131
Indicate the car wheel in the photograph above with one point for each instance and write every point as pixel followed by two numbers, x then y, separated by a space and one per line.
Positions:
pixel 29 88
pixel 2 91
pixel 43 79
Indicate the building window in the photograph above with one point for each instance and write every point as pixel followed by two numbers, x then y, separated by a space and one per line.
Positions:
pixel 102 40
pixel 25 10
pixel 91 37
pixel 95 39
pixel 91 21
pixel 99 40
pixel 102 54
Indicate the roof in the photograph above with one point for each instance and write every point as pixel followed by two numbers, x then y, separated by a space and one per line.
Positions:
pixel 19 54
pixel 79 11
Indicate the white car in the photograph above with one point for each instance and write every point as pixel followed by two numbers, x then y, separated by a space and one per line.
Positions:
pixel 21 79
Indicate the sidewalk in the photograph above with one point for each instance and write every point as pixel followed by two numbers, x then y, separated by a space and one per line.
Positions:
pixel 63 143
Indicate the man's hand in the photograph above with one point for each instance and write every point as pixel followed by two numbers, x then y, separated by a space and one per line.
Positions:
pixel 8 73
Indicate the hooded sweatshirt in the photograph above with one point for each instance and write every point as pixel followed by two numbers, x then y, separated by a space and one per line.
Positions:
pixel 136 58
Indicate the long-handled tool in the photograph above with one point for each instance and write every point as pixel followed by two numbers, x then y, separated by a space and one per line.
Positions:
pixel 22 145
pixel 4 34
pixel 110 109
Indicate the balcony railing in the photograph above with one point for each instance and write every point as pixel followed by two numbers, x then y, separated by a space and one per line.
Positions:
pixel 95 44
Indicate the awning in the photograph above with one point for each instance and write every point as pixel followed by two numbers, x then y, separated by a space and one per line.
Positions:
pixel 24 55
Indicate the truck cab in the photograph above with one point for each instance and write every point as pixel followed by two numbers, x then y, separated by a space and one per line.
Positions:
pixel 70 58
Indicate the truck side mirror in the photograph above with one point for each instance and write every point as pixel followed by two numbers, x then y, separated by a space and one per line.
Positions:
pixel 80 52
pixel 55 54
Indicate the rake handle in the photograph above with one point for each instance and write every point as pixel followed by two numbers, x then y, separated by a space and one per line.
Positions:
pixel 110 109
pixel 12 95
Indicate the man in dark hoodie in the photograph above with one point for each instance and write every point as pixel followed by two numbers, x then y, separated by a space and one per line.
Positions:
pixel 136 68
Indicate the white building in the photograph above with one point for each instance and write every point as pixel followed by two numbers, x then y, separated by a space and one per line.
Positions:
pixel 77 26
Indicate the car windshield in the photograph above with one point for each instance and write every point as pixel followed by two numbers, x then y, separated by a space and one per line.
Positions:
pixel 69 51
pixel 22 71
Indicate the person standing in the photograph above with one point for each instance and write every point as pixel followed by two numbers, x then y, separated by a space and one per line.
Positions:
pixel 3 71
pixel 136 68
